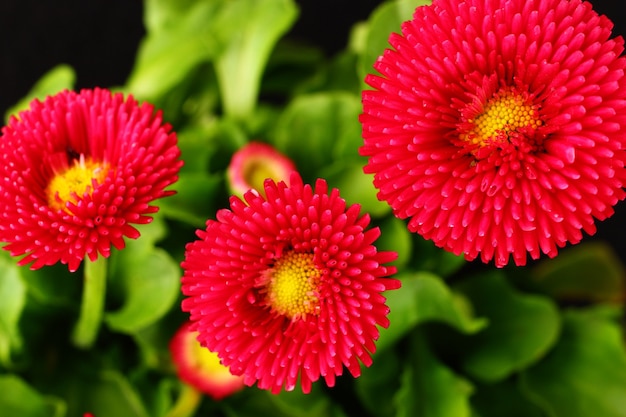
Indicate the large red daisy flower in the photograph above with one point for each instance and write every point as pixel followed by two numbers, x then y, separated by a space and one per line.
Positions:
pixel 288 287
pixel 498 127
pixel 77 170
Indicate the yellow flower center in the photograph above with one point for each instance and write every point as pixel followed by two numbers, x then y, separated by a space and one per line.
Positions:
pixel 504 115
pixel 72 184
pixel 256 172
pixel 293 286
pixel 206 361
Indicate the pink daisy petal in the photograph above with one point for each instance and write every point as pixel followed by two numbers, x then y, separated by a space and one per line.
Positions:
pixel 288 288
pixel 498 128
pixel 77 171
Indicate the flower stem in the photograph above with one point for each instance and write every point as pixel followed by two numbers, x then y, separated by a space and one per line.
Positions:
pixel 92 306
pixel 187 402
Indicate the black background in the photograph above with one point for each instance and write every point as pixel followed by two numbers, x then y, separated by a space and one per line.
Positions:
pixel 99 39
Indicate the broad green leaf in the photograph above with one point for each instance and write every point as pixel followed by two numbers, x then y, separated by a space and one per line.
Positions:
pixel 503 399
pixel 590 272
pixel 428 257
pixel 110 394
pixel 152 282
pixel 522 328
pixel 314 126
pixel 424 297
pixel 169 52
pixel 17 398
pixel 195 199
pixel 145 278
pixel 248 31
pixel 13 296
pixel 53 285
pixel 355 187
pixel 296 404
pixel 385 19
pixel 260 403
pixel 429 388
pixel 59 78
pixel 378 384
pixel 160 15
pixel 337 74
pixel 585 374
pixel 153 342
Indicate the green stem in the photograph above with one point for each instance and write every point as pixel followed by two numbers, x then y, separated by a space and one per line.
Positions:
pixel 187 402
pixel 92 305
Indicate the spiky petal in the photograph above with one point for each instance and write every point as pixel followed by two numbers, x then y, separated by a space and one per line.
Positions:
pixel 481 182
pixel 288 287
pixel 77 171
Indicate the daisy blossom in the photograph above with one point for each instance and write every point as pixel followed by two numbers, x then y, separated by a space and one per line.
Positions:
pixel 498 127
pixel 77 170
pixel 201 368
pixel 289 286
pixel 255 162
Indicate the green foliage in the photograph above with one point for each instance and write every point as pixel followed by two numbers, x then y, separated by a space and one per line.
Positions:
pixel 522 328
pixel 585 374
pixel 428 388
pixel 541 341
pixel 19 399
pixel 13 294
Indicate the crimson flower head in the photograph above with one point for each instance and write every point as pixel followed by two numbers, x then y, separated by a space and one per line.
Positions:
pixel 201 368
pixel 255 162
pixel 77 170
pixel 498 127
pixel 289 286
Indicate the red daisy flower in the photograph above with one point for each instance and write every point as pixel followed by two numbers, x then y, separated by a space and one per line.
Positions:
pixel 288 287
pixel 255 162
pixel 498 127
pixel 77 171
pixel 201 368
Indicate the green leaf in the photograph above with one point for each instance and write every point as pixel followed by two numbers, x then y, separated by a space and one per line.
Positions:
pixel 247 41
pixel 585 374
pixel 146 278
pixel 522 328
pixel 172 48
pixel 110 394
pixel 428 257
pixel 19 399
pixel 424 297
pixel 590 272
pixel 260 403
pixel 385 19
pixel 429 388
pixel 195 199
pixel 378 384
pixel 503 399
pixel 152 284
pixel 355 187
pixel 314 127
pixel 295 403
pixel 13 296
pixel 57 79
pixel 160 15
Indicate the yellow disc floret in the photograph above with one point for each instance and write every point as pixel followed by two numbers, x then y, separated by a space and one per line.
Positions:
pixel 504 115
pixel 72 184
pixel 293 286
pixel 206 361
pixel 256 171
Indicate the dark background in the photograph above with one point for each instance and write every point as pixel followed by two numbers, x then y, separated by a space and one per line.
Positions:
pixel 99 38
